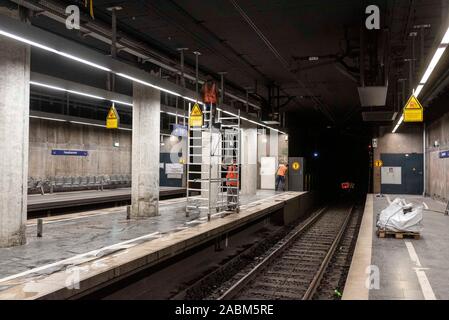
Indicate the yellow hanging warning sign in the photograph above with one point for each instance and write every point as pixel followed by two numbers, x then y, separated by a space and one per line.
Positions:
pixel 296 165
pixel 196 116
pixel 113 119
pixel 378 163
pixel 413 110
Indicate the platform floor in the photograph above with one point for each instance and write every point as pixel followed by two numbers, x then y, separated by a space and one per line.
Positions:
pixel 76 235
pixel 407 268
pixel 57 200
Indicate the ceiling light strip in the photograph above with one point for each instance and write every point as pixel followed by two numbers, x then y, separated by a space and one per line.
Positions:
pixel 432 64
pixel 61 53
pixel 95 65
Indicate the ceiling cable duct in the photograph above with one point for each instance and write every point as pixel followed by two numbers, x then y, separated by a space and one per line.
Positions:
pixel 323 108
pixel 103 33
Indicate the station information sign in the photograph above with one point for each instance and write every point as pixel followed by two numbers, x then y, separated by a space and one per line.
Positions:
pixel 378 163
pixel 296 165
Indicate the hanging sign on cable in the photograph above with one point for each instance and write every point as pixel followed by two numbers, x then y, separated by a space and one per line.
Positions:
pixel 113 119
pixel 413 110
pixel 196 116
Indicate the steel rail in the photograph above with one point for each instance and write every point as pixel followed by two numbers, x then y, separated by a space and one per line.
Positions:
pixel 308 295
pixel 236 287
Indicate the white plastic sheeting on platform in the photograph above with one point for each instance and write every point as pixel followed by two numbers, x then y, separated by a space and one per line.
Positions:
pixel 401 216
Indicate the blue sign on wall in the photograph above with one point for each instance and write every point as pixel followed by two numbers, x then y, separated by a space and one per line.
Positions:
pixel 444 154
pixel 179 130
pixel 77 153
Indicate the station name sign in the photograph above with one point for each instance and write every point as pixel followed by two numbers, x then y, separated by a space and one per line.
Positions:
pixel 444 154
pixel 76 153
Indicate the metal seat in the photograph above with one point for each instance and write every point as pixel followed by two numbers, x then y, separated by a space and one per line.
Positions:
pixel 68 182
pixel 91 181
pixel 84 182
pixel 76 182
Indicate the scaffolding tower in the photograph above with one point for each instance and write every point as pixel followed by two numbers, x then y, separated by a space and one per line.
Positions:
pixel 213 163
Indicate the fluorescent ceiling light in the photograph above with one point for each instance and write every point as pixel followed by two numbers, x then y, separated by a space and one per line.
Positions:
pixel 193 100
pixel 398 124
pixel 95 65
pixel 174 114
pixel 86 94
pixel 46 86
pixel 67 55
pixel 88 124
pixel 122 102
pixel 432 64
pixel 445 38
pixel 46 118
pixel 147 84
pixel 44 47
pixel 418 90
pixel 32 43
pixel 66 90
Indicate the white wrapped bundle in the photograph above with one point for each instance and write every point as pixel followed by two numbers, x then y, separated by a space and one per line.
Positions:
pixel 393 218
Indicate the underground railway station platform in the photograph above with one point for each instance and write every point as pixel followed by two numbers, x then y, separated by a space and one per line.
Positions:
pixel 47 202
pixel 105 246
pixel 398 269
pixel 225 153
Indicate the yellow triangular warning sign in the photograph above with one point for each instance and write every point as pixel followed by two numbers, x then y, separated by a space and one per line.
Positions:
pixel 112 114
pixel 413 103
pixel 413 110
pixel 112 120
pixel 196 110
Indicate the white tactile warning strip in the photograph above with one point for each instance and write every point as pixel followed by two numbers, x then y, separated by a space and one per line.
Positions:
pixel 426 288
pixel 356 288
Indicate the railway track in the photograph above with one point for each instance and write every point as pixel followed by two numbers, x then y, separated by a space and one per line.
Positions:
pixel 294 267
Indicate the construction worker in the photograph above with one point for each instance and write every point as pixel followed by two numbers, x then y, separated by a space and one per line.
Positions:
pixel 280 176
pixel 232 182
pixel 209 93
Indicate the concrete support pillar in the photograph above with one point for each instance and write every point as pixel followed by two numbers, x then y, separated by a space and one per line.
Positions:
pixel 14 125
pixel 249 161
pixel 145 151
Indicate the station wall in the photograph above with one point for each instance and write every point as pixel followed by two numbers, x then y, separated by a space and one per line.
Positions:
pixel 408 140
pixel 103 157
pixel 437 181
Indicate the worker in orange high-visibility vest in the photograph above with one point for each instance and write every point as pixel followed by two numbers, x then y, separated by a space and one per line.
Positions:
pixel 209 93
pixel 280 176
pixel 232 182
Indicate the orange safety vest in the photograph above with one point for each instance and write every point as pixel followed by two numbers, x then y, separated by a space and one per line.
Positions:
pixel 210 92
pixel 282 170
pixel 232 174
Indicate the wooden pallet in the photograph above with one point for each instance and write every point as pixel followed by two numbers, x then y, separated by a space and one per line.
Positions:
pixel 398 234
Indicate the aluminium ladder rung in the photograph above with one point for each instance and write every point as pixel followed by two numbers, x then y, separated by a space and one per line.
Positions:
pixel 196 189
pixel 207 179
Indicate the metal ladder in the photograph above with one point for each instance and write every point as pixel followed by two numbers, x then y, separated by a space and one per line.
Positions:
pixel 209 152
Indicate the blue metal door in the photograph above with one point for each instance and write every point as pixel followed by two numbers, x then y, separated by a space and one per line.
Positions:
pixel 411 173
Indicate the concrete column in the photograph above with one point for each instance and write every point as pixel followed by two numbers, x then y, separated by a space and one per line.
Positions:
pixel 249 161
pixel 145 151
pixel 14 126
